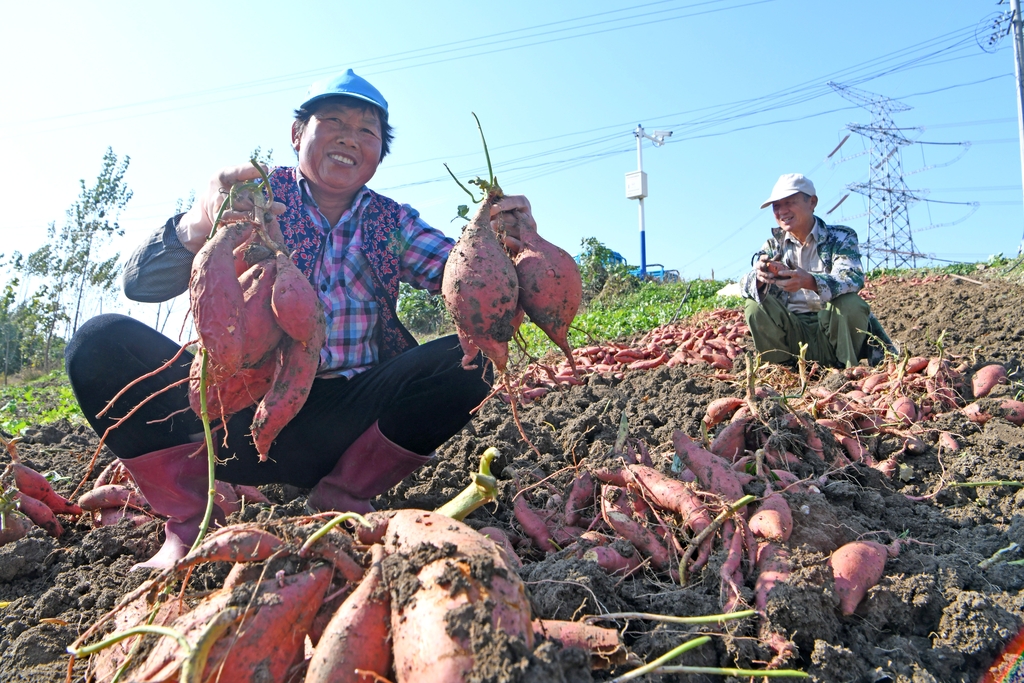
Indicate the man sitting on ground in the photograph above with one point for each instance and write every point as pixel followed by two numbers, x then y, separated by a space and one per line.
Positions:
pixel 804 283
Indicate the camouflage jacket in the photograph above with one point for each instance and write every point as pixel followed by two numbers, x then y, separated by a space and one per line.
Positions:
pixel 840 257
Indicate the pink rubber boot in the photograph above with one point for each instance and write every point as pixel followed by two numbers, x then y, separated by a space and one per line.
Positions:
pixel 175 482
pixel 367 468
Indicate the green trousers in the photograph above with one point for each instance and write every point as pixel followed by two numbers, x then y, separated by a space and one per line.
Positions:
pixel 834 335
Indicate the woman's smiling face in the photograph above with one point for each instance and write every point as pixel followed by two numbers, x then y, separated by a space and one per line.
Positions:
pixel 339 149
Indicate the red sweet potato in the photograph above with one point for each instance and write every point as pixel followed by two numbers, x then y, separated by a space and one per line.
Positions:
pixel 856 566
pixel 500 539
pixel 1011 410
pixel 581 495
pixel 39 513
pixel 533 525
pixel 550 286
pixel 235 543
pixel 731 441
pixel 481 291
pixel 720 409
pixel 33 484
pixel 611 560
pixel 773 566
pixel 287 395
pixel 109 496
pixel 295 303
pixel 616 512
pixel 774 519
pixel 217 300
pixel 903 411
pixel 986 379
pixel 948 442
pixel 604 644
pixel 358 635
pixel 424 650
pixel 262 646
pixel 262 333
pixel 712 472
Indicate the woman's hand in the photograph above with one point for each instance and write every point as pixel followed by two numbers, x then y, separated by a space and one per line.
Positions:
pixel 509 216
pixel 197 223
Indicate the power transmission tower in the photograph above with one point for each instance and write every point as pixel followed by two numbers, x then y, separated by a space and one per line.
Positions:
pixel 890 243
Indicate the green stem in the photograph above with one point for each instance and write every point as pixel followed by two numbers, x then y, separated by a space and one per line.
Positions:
pixel 482 490
pixel 973 484
pixel 193 665
pixel 464 188
pixel 706 619
pixel 322 531
pixel 667 657
pixel 211 457
pixel 712 528
pixel 739 673
pixel 138 630
pixel 487 154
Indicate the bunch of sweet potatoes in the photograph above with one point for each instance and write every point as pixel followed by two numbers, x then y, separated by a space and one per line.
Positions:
pixel 435 599
pixel 261 324
pixel 488 292
pixel 27 499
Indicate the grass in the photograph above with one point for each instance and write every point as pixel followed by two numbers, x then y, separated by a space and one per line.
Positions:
pixel 632 312
pixel 38 402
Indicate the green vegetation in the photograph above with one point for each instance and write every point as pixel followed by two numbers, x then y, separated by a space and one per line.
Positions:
pixel 38 402
pixel 997 263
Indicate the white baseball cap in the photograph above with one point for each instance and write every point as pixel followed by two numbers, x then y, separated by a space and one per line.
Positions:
pixel 788 185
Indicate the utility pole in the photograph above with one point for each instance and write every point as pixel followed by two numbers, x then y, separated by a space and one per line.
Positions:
pixel 1018 68
pixel 636 184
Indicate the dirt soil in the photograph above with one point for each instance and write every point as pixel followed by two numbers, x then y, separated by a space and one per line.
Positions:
pixel 935 616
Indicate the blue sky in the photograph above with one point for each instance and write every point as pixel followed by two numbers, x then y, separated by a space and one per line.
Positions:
pixel 189 87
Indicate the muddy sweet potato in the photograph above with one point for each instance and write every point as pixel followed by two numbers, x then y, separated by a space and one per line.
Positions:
pixel 604 644
pixel 289 391
pixel 856 567
pixel 615 510
pixel 720 409
pixel 294 301
pixel 481 291
pixel 986 379
pixel 773 567
pixel 550 286
pixel 217 299
pixel 774 519
pixel 358 636
pixel 462 587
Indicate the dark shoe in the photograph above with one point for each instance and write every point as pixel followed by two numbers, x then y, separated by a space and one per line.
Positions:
pixel 367 468
pixel 175 481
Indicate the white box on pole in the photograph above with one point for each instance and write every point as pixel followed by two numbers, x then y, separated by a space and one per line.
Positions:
pixel 636 185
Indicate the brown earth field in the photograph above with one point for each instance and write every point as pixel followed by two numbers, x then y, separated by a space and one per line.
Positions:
pixel 945 609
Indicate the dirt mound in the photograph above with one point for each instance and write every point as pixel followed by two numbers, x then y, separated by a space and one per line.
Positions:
pixel 935 616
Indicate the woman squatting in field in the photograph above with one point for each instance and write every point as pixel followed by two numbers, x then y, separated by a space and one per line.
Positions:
pixel 379 405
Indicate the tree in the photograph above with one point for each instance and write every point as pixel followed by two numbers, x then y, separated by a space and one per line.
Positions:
pixel 70 262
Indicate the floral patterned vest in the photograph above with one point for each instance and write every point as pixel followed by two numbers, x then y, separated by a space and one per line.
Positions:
pixel 378 224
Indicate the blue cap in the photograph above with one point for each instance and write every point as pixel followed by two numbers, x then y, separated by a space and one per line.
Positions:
pixel 346 85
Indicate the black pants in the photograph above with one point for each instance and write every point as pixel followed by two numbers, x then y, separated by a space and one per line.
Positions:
pixel 421 398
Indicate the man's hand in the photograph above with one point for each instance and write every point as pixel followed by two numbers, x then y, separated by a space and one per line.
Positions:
pixel 197 223
pixel 795 279
pixel 508 216
pixel 766 269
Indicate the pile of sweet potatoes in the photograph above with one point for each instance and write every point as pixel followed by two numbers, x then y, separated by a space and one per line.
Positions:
pixel 415 596
pixel 27 500
pixel 714 339
pixel 488 292
pixel 259 322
